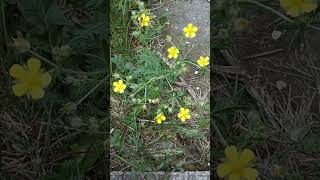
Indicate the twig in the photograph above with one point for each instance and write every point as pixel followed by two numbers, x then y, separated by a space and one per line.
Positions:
pixel 263 54
pixel 276 12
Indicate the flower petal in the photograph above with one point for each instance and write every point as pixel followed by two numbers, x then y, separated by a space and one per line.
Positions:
pixel 45 79
pixel 34 64
pixel 37 93
pixel 223 170
pixel 19 89
pixel 17 71
pixel 250 173
pixel 246 156
pixel 231 153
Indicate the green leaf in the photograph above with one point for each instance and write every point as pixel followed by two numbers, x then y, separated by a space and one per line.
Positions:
pixel 55 15
pixel 190 132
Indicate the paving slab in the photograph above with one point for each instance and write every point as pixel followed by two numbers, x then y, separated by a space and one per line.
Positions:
pixel 190 175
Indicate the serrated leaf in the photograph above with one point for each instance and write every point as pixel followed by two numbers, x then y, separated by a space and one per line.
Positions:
pixel 190 133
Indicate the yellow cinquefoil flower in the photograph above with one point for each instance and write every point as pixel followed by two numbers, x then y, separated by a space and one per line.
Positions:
pixel 298 7
pixel 119 86
pixel 203 61
pixel 160 117
pixel 144 20
pixel 237 165
pixel 173 52
pixel 190 31
pixel 30 79
pixel 184 114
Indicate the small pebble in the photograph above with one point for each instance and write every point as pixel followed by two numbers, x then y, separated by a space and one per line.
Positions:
pixel 276 35
pixel 281 84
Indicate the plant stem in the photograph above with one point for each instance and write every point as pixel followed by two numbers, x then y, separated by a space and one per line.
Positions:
pixel 43 58
pixel 92 90
pixel 223 141
pixel 275 12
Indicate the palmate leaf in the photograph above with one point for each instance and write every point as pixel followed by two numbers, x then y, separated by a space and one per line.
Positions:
pixel 149 65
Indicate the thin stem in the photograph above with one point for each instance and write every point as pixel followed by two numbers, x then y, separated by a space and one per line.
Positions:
pixel 43 58
pixel 92 90
pixel 62 69
pixel 275 12
pixel 152 79
pixel 223 141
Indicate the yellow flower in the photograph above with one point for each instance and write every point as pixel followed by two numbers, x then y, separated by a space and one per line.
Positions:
pixel 173 52
pixel 184 114
pixel 119 86
pixel 144 20
pixel 203 61
pixel 237 165
pixel 160 117
pixel 298 7
pixel 190 31
pixel 30 79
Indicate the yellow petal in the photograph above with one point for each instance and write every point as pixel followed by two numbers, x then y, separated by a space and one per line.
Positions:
pixel 308 7
pixel 17 71
pixel 250 173
pixel 234 177
pixel 223 170
pixel 45 79
pixel 195 29
pixel 121 91
pixel 37 93
pixel 294 12
pixel 246 155
pixel 19 89
pixel 183 119
pixel 116 89
pixel 188 116
pixel 231 153
pixel 34 64
pixel 159 121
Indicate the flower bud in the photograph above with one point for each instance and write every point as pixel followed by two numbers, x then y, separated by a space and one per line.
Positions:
pixel 21 44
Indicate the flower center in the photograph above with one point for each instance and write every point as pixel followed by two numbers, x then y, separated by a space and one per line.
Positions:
pixel 33 80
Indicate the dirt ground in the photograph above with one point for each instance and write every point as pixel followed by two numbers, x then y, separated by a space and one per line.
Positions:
pixel 280 72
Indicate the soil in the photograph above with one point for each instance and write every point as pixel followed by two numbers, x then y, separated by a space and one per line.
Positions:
pixel 282 74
